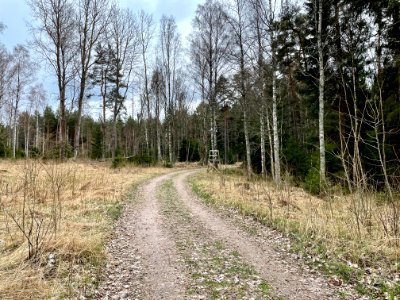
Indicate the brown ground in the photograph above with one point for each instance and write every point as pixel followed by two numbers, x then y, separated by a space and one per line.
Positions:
pixel 169 245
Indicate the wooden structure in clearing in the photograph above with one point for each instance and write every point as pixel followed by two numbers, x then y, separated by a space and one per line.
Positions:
pixel 213 160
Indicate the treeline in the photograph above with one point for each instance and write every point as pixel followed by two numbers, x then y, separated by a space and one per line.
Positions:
pixel 306 89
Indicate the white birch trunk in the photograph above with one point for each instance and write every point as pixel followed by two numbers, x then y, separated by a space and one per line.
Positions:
pixel 205 144
pixel 322 163
pixel 159 157
pixel 37 132
pixel 262 141
pixel 14 141
pixel 277 161
pixel 170 143
pixel 275 132
pixel 27 139
pixel 146 135
pixel 45 136
pixel 271 147
pixel 246 137
pixel 213 130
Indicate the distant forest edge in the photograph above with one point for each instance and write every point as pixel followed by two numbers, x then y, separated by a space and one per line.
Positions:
pixel 310 90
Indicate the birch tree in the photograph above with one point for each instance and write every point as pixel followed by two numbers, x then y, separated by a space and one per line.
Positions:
pixel 256 14
pixel 37 98
pixel 211 41
pixel 199 65
pixel 170 49
pixel 92 22
pixel 321 120
pixel 239 28
pixel 54 37
pixel 157 92
pixel 4 69
pixel 266 13
pixel 277 160
pixel 146 34
pixel 124 40
pixel 21 71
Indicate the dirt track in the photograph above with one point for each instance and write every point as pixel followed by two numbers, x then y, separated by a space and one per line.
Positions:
pixel 169 245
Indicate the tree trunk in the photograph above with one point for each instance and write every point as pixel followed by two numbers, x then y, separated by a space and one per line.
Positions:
pixel 205 136
pixel 114 137
pixel 37 138
pixel 15 113
pixel 27 137
pixel 171 157
pixel 213 129
pixel 275 133
pixel 104 104
pixel 14 133
pixel 158 133
pixel 79 116
pixel 226 136
pixel 246 137
pixel 63 126
pixel 146 135
pixel 322 163
pixel 159 154
pixel 262 141
pixel 381 119
pixel 271 146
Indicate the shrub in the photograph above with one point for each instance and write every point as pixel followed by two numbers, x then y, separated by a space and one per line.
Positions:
pixel 54 152
pixel 142 159
pixel 312 181
pixel 168 165
pixel 4 150
pixel 118 162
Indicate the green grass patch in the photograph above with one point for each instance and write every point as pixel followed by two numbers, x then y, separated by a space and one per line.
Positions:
pixel 115 211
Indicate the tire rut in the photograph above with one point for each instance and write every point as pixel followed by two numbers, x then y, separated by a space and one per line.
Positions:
pixel 143 262
pixel 287 280
pixel 216 270
pixel 161 251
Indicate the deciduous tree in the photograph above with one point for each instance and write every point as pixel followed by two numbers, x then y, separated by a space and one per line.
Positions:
pixel 54 37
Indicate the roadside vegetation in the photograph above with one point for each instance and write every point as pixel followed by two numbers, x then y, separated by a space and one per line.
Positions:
pixel 353 238
pixel 55 220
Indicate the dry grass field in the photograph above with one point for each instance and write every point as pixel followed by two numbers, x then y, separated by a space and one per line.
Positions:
pixel 355 237
pixel 55 220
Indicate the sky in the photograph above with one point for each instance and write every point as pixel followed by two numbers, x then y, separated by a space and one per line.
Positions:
pixel 15 15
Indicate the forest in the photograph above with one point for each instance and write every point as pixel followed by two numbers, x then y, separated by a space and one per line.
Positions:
pixel 303 89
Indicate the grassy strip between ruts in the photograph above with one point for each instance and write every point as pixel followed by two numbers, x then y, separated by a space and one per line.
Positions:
pixel 216 271
pixel 316 227
pixel 88 197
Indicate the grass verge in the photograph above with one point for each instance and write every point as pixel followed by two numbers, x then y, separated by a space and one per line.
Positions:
pixel 327 233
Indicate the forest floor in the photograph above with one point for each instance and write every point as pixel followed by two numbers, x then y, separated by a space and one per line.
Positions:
pixel 168 244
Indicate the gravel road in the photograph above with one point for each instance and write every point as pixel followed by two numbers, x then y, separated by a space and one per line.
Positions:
pixel 169 245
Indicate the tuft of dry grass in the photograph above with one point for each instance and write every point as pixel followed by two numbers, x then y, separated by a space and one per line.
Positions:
pixel 355 229
pixel 72 207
